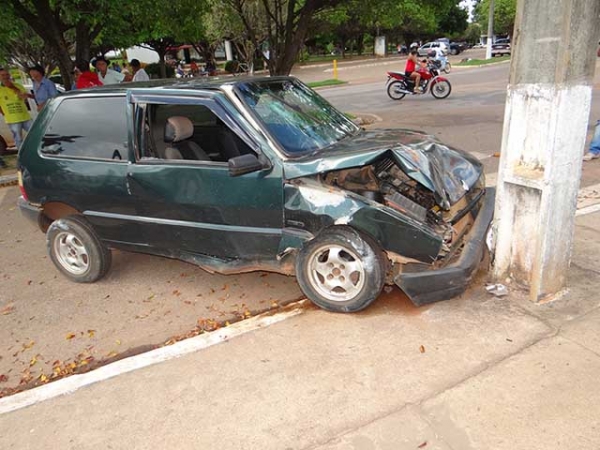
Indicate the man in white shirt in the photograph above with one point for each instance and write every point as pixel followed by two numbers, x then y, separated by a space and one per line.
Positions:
pixel 106 75
pixel 139 74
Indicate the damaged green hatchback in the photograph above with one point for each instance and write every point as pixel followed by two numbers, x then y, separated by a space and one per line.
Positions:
pixel 253 174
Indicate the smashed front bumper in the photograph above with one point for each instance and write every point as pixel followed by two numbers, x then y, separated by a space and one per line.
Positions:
pixel 442 284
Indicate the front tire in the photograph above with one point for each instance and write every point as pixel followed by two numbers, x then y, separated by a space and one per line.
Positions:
pixel 441 89
pixel 76 250
pixel 392 90
pixel 341 270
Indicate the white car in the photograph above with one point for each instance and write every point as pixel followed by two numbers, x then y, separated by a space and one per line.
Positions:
pixel 425 49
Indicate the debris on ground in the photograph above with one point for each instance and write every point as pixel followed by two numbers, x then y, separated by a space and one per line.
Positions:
pixel 498 290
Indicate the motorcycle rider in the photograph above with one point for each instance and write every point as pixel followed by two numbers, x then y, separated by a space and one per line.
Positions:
pixel 411 70
pixel 440 56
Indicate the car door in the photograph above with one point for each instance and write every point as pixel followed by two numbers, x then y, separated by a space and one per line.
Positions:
pixel 195 206
pixel 85 151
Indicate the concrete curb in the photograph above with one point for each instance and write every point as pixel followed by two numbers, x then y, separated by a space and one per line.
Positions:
pixel 8 180
pixel 481 65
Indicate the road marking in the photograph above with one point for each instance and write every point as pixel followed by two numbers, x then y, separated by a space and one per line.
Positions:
pixel 74 382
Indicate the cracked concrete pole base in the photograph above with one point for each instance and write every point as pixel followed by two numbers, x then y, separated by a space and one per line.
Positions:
pixel 547 110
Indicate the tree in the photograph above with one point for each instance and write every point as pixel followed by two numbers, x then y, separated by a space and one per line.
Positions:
pixel 281 25
pixel 504 15
pixel 20 45
pixel 455 21
pixel 159 25
pixel 76 25
pixel 473 33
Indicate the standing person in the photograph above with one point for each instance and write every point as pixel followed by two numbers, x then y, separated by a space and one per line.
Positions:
pixel 139 74
pixel 43 88
pixel 106 75
pixel 86 78
pixel 594 152
pixel 12 106
pixel 411 70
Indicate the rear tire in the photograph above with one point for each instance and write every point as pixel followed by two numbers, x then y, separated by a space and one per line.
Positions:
pixel 441 89
pixel 76 250
pixel 448 68
pixel 341 270
pixel 391 90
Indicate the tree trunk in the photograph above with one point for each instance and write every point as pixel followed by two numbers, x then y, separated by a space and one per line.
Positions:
pixel 83 42
pixel 360 44
pixel 161 63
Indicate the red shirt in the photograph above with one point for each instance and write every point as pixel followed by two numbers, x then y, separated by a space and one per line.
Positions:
pixel 88 80
pixel 410 66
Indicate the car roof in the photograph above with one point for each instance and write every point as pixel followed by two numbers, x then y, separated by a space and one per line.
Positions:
pixel 212 83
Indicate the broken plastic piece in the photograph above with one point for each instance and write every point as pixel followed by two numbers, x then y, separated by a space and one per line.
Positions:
pixel 499 290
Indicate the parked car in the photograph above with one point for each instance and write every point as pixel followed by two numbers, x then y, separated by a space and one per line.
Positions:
pixel 253 174
pixel 501 47
pixel 452 48
pixel 426 48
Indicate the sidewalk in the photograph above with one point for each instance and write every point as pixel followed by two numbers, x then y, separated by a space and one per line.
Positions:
pixel 478 372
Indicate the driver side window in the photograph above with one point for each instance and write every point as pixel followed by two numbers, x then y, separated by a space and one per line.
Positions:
pixel 190 133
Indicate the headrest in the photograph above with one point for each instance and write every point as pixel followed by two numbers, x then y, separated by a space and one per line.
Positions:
pixel 178 128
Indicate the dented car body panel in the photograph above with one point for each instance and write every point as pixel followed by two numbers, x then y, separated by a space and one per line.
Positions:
pixel 419 200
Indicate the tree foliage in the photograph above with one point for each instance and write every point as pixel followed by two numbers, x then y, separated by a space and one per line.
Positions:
pixel 504 15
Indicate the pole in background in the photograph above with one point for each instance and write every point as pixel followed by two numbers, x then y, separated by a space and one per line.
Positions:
pixel 490 33
pixel 335 70
pixel 545 126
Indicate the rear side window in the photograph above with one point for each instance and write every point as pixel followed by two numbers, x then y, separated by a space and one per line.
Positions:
pixel 94 127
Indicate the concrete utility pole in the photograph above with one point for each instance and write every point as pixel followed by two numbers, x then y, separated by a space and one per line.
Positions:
pixel 490 35
pixel 545 124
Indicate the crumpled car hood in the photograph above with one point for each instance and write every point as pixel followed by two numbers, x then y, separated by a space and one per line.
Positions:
pixel 447 172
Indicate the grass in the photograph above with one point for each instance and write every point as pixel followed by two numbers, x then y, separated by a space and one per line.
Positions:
pixel 11 165
pixel 324 83
pixel 482 62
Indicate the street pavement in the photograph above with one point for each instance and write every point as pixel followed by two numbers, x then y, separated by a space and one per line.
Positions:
pixel 477 372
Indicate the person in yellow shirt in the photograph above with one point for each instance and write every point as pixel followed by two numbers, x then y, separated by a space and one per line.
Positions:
pixel 13 107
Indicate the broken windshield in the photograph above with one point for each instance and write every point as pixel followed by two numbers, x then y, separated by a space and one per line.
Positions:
pixel 298 118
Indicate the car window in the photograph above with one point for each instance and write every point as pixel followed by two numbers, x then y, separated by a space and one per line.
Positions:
pixel 188 132
pixel 298 118
pixel 90 127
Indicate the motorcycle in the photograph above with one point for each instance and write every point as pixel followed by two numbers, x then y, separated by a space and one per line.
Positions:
pixel 399 85
pixel 443 65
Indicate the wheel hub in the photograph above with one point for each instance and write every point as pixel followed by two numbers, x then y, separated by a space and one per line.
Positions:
pixel 71 253
pixel 336 273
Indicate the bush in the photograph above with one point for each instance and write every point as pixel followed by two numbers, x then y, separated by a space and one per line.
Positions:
pixel 153 71
pixel 232 66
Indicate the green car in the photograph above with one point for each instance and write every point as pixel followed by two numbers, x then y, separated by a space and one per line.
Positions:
pixel 240 175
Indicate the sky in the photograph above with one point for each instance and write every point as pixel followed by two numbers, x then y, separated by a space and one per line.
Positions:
pixel 468 4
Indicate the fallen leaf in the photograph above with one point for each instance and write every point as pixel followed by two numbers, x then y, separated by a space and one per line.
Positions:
pixel 28 345
pixel 8 309
pixel 3 378
pixel 91 333
pixel 496 155
pixel 187 302
pixel 118 342
pixel 424 444
pixel 33 361
pixel 70 336
pixel 112 354
pixel 225 287
pixel 43 378
pixel 176 292
pixel 274 304
pixel 227 323
pixel 422 349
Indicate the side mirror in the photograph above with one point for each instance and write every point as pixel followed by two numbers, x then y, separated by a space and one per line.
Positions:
pixel 243 164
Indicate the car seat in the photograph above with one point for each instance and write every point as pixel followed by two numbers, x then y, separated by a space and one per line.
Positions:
pixel 178 131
